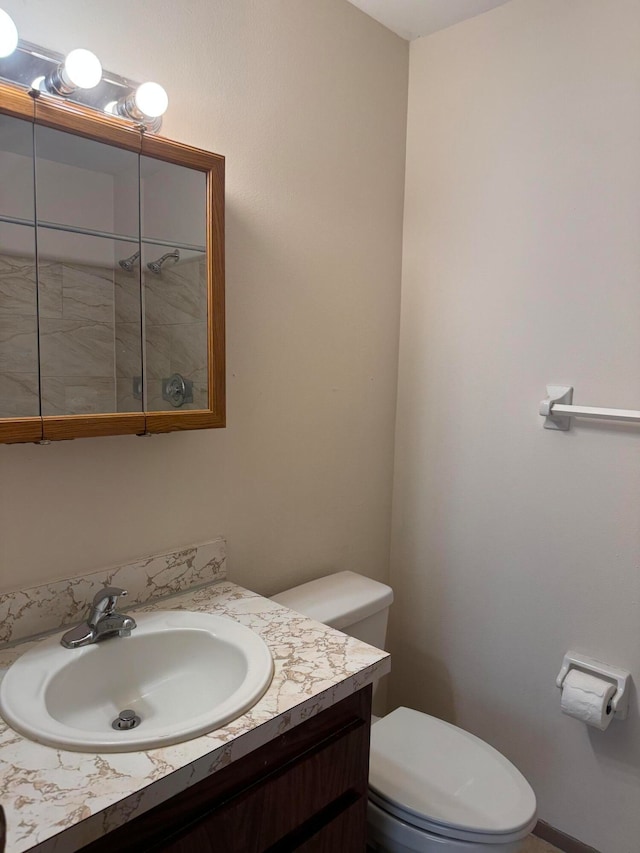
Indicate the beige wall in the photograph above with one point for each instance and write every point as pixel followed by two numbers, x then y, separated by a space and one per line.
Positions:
pixel 511 544
pixel 521 267
pixel 308 103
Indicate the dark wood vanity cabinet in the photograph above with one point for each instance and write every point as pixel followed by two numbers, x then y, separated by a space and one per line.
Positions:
pixel 304 791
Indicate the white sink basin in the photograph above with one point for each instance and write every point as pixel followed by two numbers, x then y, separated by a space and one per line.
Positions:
pixel 182 673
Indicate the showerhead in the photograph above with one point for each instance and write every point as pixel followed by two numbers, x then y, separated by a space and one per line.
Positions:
pixel 156 266
pixel 128 263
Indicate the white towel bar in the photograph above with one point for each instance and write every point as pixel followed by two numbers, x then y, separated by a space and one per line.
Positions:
pixel 557 409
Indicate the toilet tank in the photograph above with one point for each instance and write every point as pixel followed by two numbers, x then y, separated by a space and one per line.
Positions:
pixel 347 601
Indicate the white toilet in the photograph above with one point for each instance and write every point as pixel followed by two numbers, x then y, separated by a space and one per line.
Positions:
pixel 433 788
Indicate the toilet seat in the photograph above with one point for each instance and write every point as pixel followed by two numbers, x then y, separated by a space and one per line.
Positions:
pixel 422 825
pixel 386 833
pixel 445 781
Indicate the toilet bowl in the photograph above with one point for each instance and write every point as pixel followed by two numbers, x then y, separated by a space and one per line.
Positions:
pixel 433 787
pixel 393 835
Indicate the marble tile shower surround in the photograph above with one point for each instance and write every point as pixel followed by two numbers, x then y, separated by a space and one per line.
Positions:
pixel 90 328
pixel 77 354
pixel 175 331
pixel 57 801
pixel 18 338
pixel 29 612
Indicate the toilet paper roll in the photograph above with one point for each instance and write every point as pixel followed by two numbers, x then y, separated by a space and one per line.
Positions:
pixel 588 698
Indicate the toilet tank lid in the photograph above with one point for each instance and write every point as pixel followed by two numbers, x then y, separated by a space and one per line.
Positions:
pixel 338 600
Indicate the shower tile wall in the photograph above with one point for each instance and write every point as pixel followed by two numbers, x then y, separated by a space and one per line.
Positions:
pixel 128 331
pixel 87 366
pixel 18 338
pixel 176 330
pixel 76 338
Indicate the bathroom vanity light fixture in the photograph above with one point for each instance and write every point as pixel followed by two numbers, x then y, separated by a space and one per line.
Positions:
pixel 8 35
pixel 81 69
pixel 148 101
pixel 146 104
pixel 79 78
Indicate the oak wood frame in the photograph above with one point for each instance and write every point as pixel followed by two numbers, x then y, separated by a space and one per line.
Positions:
pixel 17 103
pixel 51 112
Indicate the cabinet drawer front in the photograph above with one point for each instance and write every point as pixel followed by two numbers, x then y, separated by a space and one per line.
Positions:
pixel 261 816
pixel 346 833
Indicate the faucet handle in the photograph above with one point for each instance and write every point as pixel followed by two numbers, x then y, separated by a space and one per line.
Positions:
pixel 104 603
pixel 111 594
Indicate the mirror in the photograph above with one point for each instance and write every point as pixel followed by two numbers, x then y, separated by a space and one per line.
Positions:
pixel 89 305
pixel 173 216
pixel 111 278
pixel 19 369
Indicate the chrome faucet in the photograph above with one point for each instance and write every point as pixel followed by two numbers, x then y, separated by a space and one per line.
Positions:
pixel 103 621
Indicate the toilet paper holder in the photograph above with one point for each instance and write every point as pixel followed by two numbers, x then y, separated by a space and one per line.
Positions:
pixel 620 700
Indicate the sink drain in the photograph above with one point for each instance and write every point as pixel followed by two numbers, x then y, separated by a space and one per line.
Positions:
pixel 126 720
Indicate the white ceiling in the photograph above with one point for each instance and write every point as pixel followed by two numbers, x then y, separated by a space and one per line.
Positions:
pixel 413 18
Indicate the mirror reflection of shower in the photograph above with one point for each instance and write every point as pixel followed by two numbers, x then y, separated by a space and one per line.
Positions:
pixel 128 264
pixel 156 266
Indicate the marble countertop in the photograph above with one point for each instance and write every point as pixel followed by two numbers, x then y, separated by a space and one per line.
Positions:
pixel 56 801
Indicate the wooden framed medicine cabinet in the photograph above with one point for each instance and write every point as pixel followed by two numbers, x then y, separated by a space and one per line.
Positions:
pixel 111 276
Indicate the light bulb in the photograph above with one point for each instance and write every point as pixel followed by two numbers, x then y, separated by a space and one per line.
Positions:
pixel 8 35
pixel 82 69
pixel 151 99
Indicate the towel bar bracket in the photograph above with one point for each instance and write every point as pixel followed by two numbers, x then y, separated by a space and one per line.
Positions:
pixel 560 394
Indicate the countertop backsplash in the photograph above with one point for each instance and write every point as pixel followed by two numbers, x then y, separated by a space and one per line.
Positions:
pixel 52 606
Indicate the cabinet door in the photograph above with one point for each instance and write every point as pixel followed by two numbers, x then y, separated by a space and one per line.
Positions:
pixel 19 370
pixel 89 285
pixel 182 237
